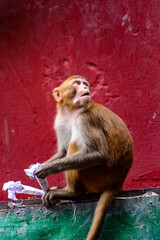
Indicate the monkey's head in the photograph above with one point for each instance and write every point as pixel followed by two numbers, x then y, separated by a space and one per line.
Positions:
pixel 73 92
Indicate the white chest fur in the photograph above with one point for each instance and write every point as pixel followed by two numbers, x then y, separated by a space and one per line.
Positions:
pixel 64 132
pixel 68 128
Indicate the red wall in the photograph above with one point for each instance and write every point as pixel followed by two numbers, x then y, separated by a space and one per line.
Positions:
pixel 115 44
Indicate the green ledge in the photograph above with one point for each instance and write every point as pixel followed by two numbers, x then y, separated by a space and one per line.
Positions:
pixel 132 215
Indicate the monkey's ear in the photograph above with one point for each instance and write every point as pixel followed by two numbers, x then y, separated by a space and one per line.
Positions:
pixel 57 94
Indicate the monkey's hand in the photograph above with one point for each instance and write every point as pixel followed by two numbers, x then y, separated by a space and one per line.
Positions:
pixel 43 171
pixel 48 168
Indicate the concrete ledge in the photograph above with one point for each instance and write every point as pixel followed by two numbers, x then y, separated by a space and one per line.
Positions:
pixel 132 215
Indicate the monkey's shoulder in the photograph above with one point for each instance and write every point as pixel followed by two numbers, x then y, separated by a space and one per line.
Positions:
pixel 99 112
pixel 99 116
pixel 100 109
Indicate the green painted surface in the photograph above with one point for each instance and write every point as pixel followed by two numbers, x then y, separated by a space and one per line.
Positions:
pixel 130 218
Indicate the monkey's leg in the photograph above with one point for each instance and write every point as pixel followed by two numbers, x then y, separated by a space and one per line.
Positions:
pixel 73 189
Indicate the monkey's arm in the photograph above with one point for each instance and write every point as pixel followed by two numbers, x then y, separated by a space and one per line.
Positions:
pixel 79 160
pixel 58 155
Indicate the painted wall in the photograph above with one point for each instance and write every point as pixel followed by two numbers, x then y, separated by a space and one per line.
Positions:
pixel 115 44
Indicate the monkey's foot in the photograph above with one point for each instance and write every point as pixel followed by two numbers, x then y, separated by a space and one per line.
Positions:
pixel 57 193
pixel 48 198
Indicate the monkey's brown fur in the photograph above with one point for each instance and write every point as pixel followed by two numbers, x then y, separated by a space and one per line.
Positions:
pixel 96 159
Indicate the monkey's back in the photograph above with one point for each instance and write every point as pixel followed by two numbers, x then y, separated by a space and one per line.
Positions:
pixel 109 134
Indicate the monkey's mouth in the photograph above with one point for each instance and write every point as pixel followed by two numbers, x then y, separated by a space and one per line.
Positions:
pixel 85 94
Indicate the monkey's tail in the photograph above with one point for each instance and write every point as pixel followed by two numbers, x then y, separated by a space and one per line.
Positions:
pixel 105 200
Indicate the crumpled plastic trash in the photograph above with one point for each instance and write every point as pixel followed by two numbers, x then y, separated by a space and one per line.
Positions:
pixel 18 187
pixel 42 182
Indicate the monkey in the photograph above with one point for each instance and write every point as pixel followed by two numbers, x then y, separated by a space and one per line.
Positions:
pixel 95 149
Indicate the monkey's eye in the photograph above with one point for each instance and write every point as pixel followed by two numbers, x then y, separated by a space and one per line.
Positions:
pixel 85 84
pixel 77 83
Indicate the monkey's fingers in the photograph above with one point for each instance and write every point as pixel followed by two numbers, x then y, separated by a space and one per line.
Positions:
pixel 40 173
pixel 48 198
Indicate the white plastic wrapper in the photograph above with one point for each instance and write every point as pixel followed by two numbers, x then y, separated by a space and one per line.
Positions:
pixel 42 182
pixel 17 187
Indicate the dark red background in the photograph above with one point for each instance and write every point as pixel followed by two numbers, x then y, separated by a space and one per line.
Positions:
pixel 115 44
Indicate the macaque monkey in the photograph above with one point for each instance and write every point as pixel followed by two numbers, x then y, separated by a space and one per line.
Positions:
pixel 94 149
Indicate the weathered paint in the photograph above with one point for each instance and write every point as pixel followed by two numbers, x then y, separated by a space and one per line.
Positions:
pixel 127 219
pixel 115 44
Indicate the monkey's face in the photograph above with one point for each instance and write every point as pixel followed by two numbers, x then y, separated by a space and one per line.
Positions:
pixel 74 93
pixel 82 95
